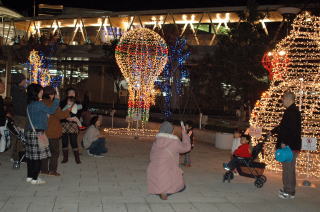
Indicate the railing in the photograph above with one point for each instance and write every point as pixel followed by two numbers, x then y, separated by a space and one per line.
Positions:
pixel 201 27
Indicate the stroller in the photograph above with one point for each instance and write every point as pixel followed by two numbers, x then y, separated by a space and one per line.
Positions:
pixel 249 168
pixel 19 133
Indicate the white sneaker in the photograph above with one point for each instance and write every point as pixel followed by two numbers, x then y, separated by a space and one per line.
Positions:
pixel 225 166
pixel 29 179
pixel 286 196
pixel 88 151
pixel 98 156
pixel 38 181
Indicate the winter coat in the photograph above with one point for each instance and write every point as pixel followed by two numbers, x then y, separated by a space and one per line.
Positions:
pixel 54 130
pixel 289 129
pixel 38 113
pixel 70 127
pixel 164 174
pixel 19 100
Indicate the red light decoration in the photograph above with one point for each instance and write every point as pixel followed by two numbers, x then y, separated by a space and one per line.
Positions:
pixel 266 63
pixel 273 61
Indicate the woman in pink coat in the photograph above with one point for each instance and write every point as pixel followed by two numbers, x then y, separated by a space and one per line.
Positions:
pixel 164 175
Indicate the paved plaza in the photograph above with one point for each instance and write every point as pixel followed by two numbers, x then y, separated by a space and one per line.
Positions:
pixel 117 182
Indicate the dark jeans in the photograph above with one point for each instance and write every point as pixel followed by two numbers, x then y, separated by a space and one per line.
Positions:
pixel 53 161
pixel 98 147
pixel 33 168
pixel 289 175
pixel 235 162
pixel 73 141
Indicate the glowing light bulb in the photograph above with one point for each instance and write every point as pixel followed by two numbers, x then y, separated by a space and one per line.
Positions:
pixel 282 52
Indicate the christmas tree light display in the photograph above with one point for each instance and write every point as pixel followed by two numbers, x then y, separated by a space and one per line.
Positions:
pixel 141 55
pixel 295 67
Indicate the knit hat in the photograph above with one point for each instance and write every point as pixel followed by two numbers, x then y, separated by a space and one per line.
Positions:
pixel 166 127
pixel 19 78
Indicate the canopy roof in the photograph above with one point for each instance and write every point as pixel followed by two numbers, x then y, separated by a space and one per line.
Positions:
pixel 7 13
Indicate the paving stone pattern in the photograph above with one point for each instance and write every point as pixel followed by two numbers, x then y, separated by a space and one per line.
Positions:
pixel 117 182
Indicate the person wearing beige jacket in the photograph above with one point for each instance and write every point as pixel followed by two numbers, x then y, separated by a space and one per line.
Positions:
pixel 93 140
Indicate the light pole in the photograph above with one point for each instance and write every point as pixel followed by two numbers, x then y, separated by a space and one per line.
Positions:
pixel 34 8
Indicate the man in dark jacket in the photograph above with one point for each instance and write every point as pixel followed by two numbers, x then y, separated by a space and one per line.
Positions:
pixel 2 113
pixel 19 101
pixel 289 134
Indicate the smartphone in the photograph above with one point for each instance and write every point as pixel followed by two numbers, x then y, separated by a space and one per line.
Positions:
pixel 182 124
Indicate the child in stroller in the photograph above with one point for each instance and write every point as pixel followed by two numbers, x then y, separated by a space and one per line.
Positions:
pixel 243 161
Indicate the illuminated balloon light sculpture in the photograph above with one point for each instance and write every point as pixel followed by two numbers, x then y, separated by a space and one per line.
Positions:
pixel 299 72
pixel 39 75
pixel 141 55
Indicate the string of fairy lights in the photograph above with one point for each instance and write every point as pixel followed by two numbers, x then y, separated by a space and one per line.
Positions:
pixel 295 66
pixel 141 55
pixel 39 74
pixel 178 54
pixel 39 70
pixel 130 132
pixel 278 59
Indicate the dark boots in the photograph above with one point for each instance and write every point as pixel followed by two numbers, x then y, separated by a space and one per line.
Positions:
pixel 76 156
pixel 65 156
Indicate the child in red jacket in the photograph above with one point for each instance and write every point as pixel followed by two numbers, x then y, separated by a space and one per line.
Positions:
pixel 242 152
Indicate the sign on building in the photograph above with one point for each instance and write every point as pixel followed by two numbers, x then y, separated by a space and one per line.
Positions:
pixel 255 131
pixel 309 144
pixel 136 116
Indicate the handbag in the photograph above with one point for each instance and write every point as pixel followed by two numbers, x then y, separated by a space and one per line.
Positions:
pixel 284 154
pixel 43 140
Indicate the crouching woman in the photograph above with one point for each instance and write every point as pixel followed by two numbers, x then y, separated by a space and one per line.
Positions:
pixel 164 175
pixel 93 141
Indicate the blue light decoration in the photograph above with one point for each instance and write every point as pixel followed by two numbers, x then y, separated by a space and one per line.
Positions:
pixel 175 69
pixel 56 81
pixel 42 71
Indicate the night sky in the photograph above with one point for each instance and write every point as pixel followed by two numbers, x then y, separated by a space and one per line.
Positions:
pixel 25 6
